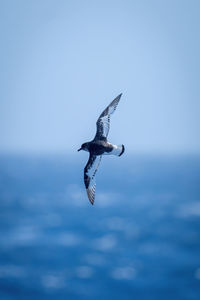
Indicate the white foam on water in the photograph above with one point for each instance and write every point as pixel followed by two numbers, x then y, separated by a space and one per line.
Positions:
pixel 69 239
pixel 105 243
pixel 123 273
pixel 84 272
pixel 53 281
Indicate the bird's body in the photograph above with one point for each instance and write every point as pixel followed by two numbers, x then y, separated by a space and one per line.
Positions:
pixel 99 146
pixel 103 147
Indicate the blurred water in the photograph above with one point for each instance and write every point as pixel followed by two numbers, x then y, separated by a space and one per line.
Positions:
pixel 141 239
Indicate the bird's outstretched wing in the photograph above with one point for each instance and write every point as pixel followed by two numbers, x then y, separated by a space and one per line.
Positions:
pixel 89 176
pixel 103 122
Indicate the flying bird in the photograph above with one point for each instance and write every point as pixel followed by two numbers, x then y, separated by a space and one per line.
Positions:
pixel 99 146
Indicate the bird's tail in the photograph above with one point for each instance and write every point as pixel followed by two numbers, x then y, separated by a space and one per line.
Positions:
pixel 122 149
pixel 117 150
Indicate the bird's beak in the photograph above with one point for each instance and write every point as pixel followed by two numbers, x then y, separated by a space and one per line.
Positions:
pixel 79 149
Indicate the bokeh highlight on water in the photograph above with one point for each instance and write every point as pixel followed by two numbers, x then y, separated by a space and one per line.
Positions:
pixel 141 239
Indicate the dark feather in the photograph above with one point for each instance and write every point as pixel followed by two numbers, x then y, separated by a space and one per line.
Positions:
pixel 89 176
pixel 103 122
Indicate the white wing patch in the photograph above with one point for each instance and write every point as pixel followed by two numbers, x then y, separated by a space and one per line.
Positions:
pixel 89 176
pixel 103 122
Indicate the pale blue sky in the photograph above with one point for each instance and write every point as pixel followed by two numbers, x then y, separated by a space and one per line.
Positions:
pixel 62 62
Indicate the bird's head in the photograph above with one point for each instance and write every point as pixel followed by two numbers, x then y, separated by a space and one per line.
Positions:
pixel 84 147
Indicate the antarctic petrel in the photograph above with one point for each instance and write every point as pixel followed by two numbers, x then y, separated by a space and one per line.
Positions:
pixel 99 146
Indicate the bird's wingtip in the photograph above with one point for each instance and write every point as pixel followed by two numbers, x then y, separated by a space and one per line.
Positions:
pixel 118 97
pixel 90 197
pixel 91 201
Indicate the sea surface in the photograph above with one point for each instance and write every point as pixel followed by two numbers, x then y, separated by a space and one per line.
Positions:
pixel 141 239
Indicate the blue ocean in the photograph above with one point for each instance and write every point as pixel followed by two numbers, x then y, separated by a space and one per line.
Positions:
pixel 141 239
